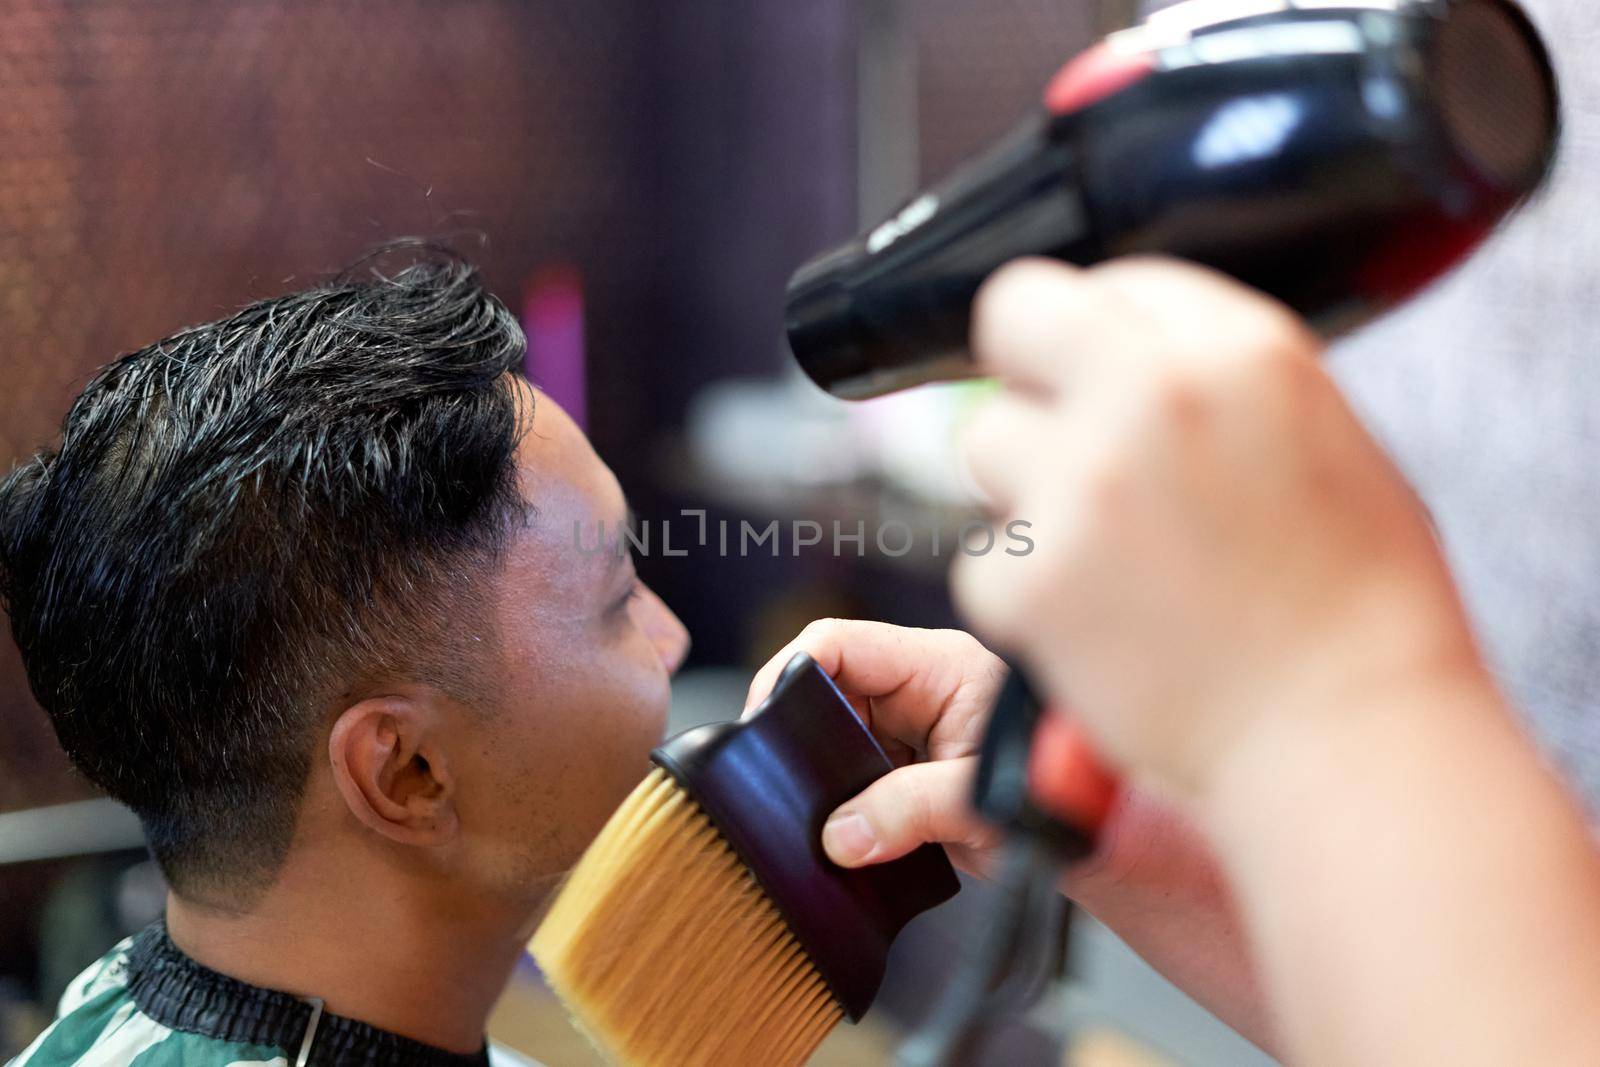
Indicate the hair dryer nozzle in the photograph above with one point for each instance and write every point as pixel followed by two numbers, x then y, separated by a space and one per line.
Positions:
pixel 1336 157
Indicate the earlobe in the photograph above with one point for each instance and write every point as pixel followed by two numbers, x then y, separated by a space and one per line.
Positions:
pixel 391 771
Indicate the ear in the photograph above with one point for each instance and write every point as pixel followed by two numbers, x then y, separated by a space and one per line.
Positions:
pixel 392 770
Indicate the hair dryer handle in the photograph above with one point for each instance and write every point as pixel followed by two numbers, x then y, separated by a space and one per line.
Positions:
pixel 1038 777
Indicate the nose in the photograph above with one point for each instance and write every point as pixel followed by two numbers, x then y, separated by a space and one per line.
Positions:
pixel 666 631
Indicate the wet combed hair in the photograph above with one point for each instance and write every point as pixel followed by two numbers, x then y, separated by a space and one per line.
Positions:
pixel 245 522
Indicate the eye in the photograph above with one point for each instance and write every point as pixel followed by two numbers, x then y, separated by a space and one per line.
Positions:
pixel 635 590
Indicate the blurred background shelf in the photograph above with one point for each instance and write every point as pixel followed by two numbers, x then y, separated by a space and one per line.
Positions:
pixel 80 828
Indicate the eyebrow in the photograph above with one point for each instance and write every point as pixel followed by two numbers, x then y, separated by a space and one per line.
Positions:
pixel 621 556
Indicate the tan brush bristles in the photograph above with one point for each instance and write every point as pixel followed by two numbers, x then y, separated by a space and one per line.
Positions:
pixel 669 954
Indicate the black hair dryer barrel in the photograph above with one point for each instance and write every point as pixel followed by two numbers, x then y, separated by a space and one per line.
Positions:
pixel 1336 155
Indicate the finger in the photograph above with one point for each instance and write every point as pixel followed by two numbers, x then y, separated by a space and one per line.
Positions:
pixel 930 689
pixel 1005 429
pixel 926 803
pixel 812 641
pixel 1044 326
pixel 999 595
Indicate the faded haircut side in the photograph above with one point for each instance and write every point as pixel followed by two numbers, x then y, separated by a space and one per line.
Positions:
pixel 245 521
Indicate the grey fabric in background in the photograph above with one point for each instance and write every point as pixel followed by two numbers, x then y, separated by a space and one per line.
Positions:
pixel 1487 392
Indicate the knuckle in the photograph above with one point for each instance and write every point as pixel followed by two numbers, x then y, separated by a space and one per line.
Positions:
pixel 1108 488
pixel 1302 383
pixel 1106 470
pixel 823 631
pixel 1283 378
pixel 1162 290
pixel 966 646
pixel 991 307
pixel 1179 398
pixel 1270 335
pixel 927 806
pixel 1137 270
pixel 1016 293
pixel 895 807
pixel 1016 281
pixel 1235 317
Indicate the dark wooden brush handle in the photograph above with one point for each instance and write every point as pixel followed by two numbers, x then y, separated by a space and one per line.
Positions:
pixel 768 783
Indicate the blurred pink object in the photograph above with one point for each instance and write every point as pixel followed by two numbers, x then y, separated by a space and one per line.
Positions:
pixel 552 317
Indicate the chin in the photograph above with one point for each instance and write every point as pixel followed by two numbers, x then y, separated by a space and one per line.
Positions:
pixel 631 771
pixel 654 725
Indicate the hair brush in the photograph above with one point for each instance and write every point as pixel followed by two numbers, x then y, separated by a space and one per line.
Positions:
pixel 705 925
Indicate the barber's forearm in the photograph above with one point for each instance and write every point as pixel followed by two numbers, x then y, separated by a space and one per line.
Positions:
pixel 1158 887
pixel 1419 888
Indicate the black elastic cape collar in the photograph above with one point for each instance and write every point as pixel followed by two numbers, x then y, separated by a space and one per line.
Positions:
pixel 177 992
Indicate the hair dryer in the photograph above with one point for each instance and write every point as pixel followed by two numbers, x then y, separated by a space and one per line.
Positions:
pixel 1337 154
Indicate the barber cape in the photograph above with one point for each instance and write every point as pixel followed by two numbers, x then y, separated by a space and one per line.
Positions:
pixel 146 1004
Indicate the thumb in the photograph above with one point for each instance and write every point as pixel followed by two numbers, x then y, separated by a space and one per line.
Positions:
pixel 912 806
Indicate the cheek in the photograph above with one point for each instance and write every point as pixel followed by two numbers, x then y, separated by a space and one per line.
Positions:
pixel 628 693
pixel 572 744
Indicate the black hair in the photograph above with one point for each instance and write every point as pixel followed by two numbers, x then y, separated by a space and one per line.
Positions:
pixel 245 521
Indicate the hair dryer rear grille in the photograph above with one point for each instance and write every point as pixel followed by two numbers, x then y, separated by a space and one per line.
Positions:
pixel 1495 87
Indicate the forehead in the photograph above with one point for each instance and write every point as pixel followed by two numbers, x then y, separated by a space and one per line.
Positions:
pixel 562 479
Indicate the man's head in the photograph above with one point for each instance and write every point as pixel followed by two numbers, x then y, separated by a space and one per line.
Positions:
pixel 308 572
